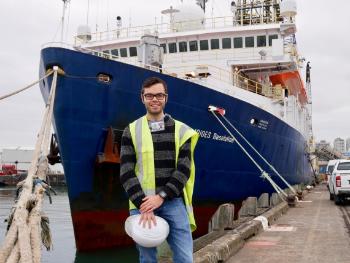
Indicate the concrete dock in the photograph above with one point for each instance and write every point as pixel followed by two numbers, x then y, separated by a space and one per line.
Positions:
pixel 316 230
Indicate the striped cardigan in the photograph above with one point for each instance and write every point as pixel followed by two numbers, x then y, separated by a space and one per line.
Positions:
pixel 168 178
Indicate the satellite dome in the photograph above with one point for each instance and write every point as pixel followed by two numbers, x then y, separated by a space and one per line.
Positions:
pixel 288 8
pixel 84 33
pixel 188 17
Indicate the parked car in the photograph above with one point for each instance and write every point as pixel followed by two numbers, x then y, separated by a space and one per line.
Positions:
pixel 339 183
pixel 329 170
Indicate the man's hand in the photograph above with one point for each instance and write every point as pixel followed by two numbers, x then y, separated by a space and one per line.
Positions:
pixel 150 203
pixel 148 218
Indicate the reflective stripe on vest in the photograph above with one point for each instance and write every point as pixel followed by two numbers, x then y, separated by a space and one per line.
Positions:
pixel 144 169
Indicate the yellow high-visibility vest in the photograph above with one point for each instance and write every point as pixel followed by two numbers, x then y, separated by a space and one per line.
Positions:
pixel 144 168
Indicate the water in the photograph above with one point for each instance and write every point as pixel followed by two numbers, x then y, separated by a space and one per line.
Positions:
pixel 64 249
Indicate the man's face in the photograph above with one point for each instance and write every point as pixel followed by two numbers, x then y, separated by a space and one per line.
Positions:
pixel 154 98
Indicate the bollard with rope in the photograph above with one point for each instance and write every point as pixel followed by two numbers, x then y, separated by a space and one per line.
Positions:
pixel 27 225
pixel 220 111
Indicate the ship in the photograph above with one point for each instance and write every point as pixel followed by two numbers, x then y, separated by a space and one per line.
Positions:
pixel 245 65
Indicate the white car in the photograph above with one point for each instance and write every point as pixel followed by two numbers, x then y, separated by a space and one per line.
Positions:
pixel 339 183
pixel 329 170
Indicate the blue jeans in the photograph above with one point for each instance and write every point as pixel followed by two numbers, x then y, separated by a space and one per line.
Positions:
pixel 179 238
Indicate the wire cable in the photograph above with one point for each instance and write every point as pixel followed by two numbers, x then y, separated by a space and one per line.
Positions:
pixel 264 174
pixel 262 157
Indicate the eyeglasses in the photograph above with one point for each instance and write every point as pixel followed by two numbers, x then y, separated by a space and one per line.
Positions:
pixel 159 96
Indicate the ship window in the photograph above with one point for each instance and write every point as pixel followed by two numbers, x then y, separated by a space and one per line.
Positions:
pixel 214 43
pixel 183 46
pixel 164 47
pixel 238 42
pixel 105 53
pixel 123 52
pixel 172 48
pixel 193 45
pixel 115 52
pixel 261 41
pixel 249 42
pixel 271 37
pixel 226 43
pixel 204 45
pixel 133 51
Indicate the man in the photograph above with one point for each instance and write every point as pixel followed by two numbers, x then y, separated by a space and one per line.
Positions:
pixel 157 172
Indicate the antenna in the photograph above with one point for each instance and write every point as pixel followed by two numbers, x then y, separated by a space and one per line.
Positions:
pixel 171 12
pixel 107 15
pixel 202 4
pixel 65 3
pixel 119 25
pixel 308 68
pixel 87 13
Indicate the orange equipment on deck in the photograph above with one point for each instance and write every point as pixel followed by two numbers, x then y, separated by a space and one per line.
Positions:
pixel 293 82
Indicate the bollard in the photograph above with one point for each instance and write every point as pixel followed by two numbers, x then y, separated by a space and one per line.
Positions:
pixel 275 199
pixel 223 218
pixel 263 201
pixel 249 207
pixel 300 194
pixel 291 200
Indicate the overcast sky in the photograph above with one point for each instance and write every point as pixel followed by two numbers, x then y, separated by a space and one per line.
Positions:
pixel 323 38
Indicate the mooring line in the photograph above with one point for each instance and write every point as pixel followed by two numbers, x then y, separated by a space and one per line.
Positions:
pixel 27 87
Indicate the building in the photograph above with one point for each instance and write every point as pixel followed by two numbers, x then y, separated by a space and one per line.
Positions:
pixel 339 145
pixel 323 144
pixel 21 157
pixel 348 144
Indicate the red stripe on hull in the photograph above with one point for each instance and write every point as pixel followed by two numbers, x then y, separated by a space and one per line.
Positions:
pixel 96 230
pixel 100 229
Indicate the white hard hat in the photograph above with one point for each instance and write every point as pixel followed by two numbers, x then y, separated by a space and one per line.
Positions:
pixel 145 236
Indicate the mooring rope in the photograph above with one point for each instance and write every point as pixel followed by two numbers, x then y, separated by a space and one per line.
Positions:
pixel 24 236
pixel 26 87
pixel 262 157
pixel 264 174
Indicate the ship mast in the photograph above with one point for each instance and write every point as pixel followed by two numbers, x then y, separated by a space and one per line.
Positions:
pixel 65 3
pixel 257 12
pixel 308 80
pixel 202 4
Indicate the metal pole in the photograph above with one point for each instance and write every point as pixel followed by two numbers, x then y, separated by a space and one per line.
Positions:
pixel 63 15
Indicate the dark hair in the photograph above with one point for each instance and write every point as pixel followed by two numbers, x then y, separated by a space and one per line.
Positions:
pixel 152 81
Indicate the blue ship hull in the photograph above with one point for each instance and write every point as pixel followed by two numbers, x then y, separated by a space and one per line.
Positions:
pixel 84 108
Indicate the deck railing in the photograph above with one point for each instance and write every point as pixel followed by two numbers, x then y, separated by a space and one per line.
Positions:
pixel 165 28
pixel 190 72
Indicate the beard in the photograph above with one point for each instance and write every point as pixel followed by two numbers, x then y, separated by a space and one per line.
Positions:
pixel 155 109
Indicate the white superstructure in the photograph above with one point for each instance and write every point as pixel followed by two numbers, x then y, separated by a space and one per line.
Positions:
pixel 251 55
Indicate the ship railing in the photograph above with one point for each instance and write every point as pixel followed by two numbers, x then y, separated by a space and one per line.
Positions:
pixel 58 44
pixel 232 78
pixel 166 28
pixel 187 71
pixel 246 54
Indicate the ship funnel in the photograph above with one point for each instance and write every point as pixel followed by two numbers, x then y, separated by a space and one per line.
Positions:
pixel 84 33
